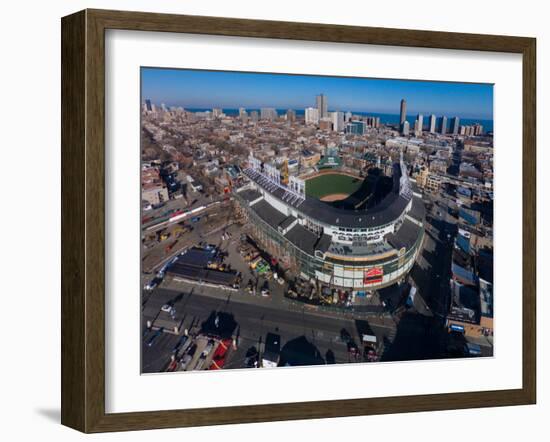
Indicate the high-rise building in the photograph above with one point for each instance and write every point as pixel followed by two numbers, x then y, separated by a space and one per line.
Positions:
pixel 268 113
pixel 405 128
pixel 347 117
pixel 322 105
pixel 337 121
pixel 148 105
pixel 478 129
pixel 418 125
pixel 254 116
pixel 243 115
pixel 455 125
pixel 443 127
pixel 417 130
pixel 355 127
pixel 433 120
pixel 312 115
pixel 163 107
pixel 403 114
pixel 291 115
pixel 217 112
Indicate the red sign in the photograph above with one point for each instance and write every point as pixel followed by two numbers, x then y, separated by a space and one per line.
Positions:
pixel 377 271
pixel 373 276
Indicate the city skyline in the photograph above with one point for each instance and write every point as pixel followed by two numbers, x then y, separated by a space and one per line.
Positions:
pixel 231 90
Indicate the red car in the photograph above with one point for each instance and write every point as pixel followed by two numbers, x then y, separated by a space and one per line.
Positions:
pixel 218 358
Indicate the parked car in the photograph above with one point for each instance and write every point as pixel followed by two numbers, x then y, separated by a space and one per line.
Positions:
pixel 208 348
pixel 153 283
pixel 185 360
pixel 153 337
pixel 168 308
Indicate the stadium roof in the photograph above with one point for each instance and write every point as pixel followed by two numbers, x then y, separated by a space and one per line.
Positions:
pixel 250 195
pixel 388 210
pixel 287 222
pixel 268 213
pixel 406 236
pixel 302 238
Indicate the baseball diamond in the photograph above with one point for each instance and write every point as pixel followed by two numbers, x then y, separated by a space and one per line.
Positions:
pixel 366 238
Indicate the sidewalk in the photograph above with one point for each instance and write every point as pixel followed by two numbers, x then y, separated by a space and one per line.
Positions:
pixel 279 303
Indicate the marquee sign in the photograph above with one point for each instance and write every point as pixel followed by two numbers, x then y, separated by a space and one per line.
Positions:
pixel 373 276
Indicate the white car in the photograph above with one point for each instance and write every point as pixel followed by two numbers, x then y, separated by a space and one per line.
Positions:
pixel 167 308
pixel 207 349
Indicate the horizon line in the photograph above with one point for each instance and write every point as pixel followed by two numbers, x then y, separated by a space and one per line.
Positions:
pixel 236 107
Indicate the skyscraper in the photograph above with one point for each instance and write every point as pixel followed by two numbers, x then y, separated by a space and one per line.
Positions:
pixel 432 123
pixel 478 129
pixel 419 125
pixel 443 128
pixel 268 113
pixel 337 121
pixel 312 115
pixel 291 115
pixel 455 125
pixel 243 115
pixel 148 105
pixel 403 114
pixel 322 105
pixel 405 129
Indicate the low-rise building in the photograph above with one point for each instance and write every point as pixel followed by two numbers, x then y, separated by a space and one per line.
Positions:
pixel 433 183
pixel 309 158
pixel 154 193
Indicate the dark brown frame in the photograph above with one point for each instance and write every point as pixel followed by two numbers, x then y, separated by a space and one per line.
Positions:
pixel 83 216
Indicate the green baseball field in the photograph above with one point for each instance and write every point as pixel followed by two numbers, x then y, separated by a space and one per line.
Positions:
pixel 323 186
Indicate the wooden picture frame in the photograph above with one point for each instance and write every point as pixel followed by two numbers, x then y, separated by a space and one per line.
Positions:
pixel 83 220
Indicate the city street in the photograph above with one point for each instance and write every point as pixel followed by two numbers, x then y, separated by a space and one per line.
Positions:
pixel 307 338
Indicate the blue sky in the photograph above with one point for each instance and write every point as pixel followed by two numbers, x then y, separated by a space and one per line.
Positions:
pixel 207 89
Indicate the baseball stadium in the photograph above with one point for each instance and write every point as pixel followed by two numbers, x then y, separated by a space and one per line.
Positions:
pixel 333 228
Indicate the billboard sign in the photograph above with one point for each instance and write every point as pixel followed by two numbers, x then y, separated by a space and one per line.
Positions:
pixel 373 276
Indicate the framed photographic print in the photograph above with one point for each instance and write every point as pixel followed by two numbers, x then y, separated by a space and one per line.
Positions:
pixel 265 221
